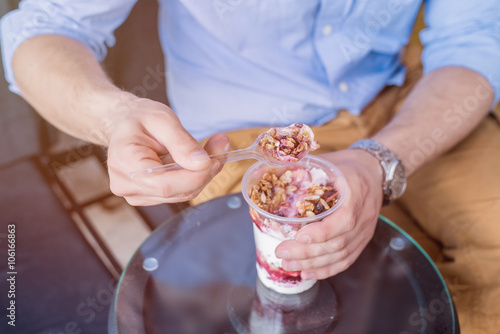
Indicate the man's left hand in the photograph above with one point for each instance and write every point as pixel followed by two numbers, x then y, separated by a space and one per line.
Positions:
pixel 328 247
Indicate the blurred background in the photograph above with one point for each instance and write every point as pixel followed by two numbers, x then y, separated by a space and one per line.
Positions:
pixel 75 170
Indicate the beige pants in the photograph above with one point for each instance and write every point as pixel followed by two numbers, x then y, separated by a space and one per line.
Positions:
pixel 451 206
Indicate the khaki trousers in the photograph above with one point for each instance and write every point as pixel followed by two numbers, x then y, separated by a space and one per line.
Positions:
pixel 451 205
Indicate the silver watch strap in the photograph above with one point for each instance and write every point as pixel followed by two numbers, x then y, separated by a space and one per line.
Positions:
pixel 385 157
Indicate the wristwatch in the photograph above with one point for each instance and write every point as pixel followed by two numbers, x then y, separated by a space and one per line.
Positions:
pixel 394 178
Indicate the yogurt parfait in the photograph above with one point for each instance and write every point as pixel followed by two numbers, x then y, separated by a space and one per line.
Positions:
pixel 283 200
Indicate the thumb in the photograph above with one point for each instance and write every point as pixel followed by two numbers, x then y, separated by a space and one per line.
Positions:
pixel 184 149
pixel 217 144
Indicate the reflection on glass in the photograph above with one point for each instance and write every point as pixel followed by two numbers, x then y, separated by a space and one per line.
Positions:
pixel 312 311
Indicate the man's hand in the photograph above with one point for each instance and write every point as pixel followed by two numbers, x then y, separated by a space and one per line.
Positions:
pixel 149 130
pixel 61 78
pixel 325 248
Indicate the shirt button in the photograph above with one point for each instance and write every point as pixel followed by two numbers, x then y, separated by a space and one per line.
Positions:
pixel 327 30
pixel 344 87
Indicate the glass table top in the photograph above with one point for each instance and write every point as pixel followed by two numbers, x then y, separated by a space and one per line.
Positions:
pixel 196 274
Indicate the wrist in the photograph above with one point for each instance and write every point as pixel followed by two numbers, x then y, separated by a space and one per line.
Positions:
pixel 374 173
pixel 113 107
pixel 393 171
pixel 362 170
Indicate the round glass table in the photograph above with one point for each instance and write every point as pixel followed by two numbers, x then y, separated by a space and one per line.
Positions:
pixel 196 274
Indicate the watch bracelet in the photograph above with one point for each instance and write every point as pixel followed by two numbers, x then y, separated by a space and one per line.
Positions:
pixel 384 156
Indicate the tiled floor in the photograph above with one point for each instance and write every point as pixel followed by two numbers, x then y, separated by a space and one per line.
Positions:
pixel 117 223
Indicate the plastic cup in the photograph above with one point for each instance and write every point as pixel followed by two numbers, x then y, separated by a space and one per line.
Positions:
pixel 270 230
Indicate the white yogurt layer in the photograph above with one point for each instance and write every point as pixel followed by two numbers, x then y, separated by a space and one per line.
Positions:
pixel 266 245
pixel 318 176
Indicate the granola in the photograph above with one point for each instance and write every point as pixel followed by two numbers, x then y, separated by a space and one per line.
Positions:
pixel 289 143
pixel 295 193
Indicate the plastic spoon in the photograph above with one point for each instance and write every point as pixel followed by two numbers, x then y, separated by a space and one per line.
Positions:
pixel 258 150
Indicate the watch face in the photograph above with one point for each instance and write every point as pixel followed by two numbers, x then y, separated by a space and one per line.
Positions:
pixel 398 183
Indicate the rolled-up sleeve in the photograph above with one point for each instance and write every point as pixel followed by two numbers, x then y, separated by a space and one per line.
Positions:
pixel 463 33
pixel 90 22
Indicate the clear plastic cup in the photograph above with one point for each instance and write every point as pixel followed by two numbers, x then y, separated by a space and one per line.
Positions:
pixel 270 230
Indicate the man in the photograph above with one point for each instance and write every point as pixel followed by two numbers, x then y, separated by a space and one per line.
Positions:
pixel 254 64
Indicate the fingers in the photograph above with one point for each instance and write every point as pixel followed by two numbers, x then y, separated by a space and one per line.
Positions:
pixel 183 185
pixel 135 146
pixel 315 262
pixel 168 187
pixel 149 131
pixel 148 201
pixel 336 267
pixel 321 260
pixel 325 248
pixel 185 150
pixel 341 255
pixel 171 184
pixel 339 222
pixel 292 249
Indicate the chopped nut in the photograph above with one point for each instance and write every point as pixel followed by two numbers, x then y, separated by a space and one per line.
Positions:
pixel 310 214
pixel 319 192
pixel 325 205
pixel 272 192
pixel 309 206
pixel 331 198
pixel 311 198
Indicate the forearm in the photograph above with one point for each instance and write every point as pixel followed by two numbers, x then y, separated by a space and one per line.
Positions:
pixel 63 81
pixel 443 108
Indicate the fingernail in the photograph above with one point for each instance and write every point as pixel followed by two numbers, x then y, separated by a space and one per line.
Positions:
pixel 309 276
pixel 199 156
pixel 227 148
pixel 215 167
pixel 283 254
pixel 304 239
pixel 292 266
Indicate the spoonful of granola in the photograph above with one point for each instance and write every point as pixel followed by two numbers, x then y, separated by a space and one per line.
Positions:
pixel 278 146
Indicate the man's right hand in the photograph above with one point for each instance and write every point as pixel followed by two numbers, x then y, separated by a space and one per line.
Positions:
pixel 137 138
pixel 65 83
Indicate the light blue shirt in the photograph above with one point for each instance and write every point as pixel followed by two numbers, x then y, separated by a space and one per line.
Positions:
pixel 245 63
